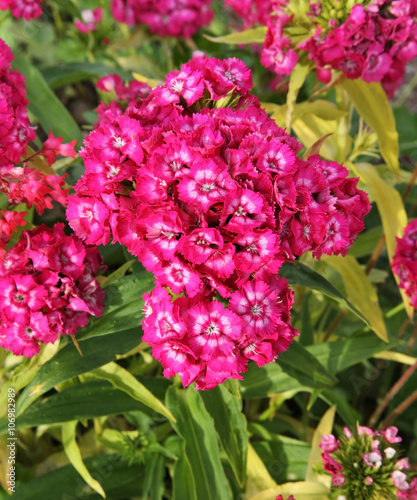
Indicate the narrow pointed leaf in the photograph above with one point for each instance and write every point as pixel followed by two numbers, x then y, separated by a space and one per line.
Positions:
pixel 391 210
pixel 195 426
pixel 371 102
pixel 230 424
pixel 303 490
pixel 74 456
pixel 253 35
pixel 125 381
pixel 44 104
pixel 183 484
pixel 259 479
pixel 297 78
pixel 359 291
pixel 300 274
pixel 325 427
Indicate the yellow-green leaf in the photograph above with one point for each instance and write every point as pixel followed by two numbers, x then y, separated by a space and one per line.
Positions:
pixel 125 381
pixel 253 35
pixel 359 291
pixel 391 209
pixel 38 163
pixel 325 427
pixel 258 477
pixel 310 128
pixel 150 81
pixel 372 104
pixel 297 78
pixel 74 456
pixel 303 490
pixel 396 356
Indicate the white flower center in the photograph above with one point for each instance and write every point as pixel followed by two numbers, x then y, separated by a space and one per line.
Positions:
pixel 177 86
pixel 256 310
pixel 118 142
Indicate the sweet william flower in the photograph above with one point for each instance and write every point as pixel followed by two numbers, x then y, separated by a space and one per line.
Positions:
pixel 359 469
pixel 28 9
pixel 47 288
pixel 213 207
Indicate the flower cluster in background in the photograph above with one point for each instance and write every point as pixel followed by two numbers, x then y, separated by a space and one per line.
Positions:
pixel 404 262
pixel 28 9
pixel 198 182
pixel 23 184
pixel 372 39
pixel 366 463
pixel 15 129
pixel 47 288
pixel 164 17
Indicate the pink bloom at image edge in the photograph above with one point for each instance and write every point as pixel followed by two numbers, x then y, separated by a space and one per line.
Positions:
pixel 28 9
pixel 47 288
pixel 404 261
pixel 212 203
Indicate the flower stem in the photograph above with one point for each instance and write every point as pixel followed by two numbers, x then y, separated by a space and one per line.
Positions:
pixel 400 408
pixel 391 393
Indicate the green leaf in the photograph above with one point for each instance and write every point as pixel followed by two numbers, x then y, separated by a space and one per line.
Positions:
pixel 119 481
pixel 45 106
pixel 74 456
pixel 300 364
pixel 65 74
pixel 183 484
pixel 372 104
pixel 391 210
pixel 123 306
pixel 325 426
pixel 253 35
pixel 259 477
pixel 83 401
pixel 339 355
pixel 304 490
pixel 283 455
pixel 365 243
pixel 195 426
pixel 294 369
pixel 125 381
pixel 297 78
pixel 67 363
pixel 300 274
pixel 359 291
pixel 154 486
pixel 230 424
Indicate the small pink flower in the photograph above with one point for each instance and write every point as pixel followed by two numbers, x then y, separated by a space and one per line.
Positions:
pixel 338 479
pixel 400 480
pixel 372 458
pixel 329 443
pixel 90 19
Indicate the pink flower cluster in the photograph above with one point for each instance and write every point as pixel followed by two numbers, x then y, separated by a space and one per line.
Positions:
pixel 254 11
pixel 404 263
pixel 28 9
pixel 15 130
pixel 164 17
pixel 23 184
pixel 378 469
pixel 47 288
pixel 374 40
pixel 199 183
pixel 375 44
